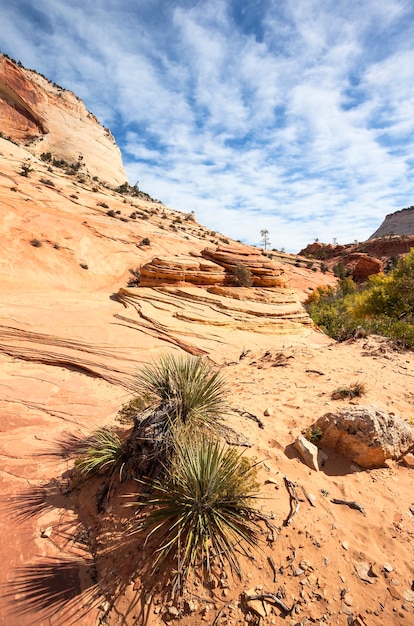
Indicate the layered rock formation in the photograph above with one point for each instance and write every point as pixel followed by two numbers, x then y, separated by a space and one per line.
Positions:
pixel 215 266
pixel 264 271
pixel 48 118
pixel 175 270
pixel 398 223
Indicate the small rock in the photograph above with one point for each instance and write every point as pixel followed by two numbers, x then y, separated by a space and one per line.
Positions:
pixel 46 532
pixel 256 605
pixel 191 606
pixel 172 610
pixel 373 571
pixel 394 593
pixel 268 412
pixel 387 567
pixel 408 595
pixel 348 600
pixel 272 481
pixel 362 569
pixel 408 460
pixel 345 545
pixel 308 451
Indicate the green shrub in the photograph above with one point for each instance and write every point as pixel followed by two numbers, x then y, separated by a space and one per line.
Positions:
pixel 36 243
pixel 189 387
pixel 25 170
pixel 384 305
pixel 314 434
pixel 46 181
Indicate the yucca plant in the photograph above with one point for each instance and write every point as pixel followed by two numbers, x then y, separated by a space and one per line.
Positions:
pixel 182 392
pixel 103 450
pixel 191 386
pixel 202 511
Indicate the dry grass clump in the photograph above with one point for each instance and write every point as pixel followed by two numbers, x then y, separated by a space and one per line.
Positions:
pixel 356 390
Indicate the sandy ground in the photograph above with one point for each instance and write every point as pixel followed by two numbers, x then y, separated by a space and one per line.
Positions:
pixel 317 556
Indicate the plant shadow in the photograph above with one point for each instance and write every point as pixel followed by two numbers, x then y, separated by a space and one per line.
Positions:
pixel 61 588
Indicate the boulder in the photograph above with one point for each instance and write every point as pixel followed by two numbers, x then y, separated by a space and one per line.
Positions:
pixel 365 266
pixel 366 435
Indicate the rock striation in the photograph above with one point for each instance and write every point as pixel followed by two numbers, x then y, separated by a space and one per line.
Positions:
pixel 47 118
pixel 365 434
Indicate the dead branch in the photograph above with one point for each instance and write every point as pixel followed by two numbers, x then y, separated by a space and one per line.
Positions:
pixel 249 416
pixel 273 598
pixel 352 505
pixel 305 493
pixel 294 500
pixel 273 566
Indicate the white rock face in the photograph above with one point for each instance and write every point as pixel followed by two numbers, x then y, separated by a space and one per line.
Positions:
pixel 47 118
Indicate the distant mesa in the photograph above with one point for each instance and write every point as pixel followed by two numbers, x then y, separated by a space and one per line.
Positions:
pixel 398 223
pixel 215 266
pixel 47 118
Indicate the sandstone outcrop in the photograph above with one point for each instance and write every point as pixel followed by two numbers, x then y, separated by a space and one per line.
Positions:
pixel 362 266
pixel 397 223
pixel 362 259
pixel 174 270
pixel 366 435
pixel 47 118
pixel 215 266
pixel 264 271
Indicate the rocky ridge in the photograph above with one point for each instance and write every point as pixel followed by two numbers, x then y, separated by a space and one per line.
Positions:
pixel 361 259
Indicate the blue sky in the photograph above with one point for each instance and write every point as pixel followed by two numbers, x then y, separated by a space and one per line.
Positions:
pixel 295 116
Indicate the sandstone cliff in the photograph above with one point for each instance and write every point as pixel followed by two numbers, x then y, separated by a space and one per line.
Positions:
pixel 47 118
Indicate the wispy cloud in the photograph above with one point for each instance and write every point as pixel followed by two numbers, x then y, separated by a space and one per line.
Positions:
pixel 297 117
